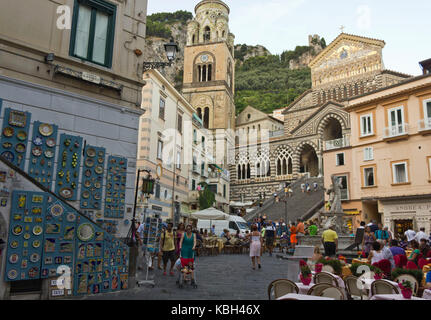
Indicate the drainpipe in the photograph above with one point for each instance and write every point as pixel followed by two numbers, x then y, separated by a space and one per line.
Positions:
pixel 174 176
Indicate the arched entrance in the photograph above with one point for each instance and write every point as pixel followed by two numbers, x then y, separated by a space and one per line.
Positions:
pixel 333 130
pixel 308 161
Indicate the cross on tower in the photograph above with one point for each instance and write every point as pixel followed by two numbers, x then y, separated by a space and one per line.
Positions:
pixel 342 29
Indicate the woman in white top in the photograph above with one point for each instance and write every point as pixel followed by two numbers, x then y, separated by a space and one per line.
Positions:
pixel 376 253
pixel 255 246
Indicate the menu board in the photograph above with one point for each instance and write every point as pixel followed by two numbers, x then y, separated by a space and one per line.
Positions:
pixel 115 265
pixel 14 136
pixel 24 251
pixel 115 197
pixel 43 147
pixel 89 258
pixel 69 160
pixel 92 178
pixel 59 239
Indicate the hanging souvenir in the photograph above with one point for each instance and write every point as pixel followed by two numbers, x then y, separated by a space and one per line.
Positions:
pixel 8 132
pixel 46 129
pixel 17 118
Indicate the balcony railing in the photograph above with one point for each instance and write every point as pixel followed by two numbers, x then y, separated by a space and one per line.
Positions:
pixel 337 143
pixel 396 131
pixel 425 124
pixel 278 133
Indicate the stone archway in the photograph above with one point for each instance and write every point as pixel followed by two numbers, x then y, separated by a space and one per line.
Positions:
pixel 307 160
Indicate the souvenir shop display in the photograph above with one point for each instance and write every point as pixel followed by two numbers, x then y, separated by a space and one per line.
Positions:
pixel 59 240
pixel 69 160
pixel 14 136
pixel 151 240
pixel 92 178
pixel 115 265
pixel 25 241
pixel 89 257
pixel 110 226
pixel 115 197
pixel 43 147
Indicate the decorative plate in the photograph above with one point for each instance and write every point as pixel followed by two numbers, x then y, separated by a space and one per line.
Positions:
pixel 38 141
pixel 66 193
pixel 87 183
pixel 85 232
pixel 33 272
pixel 20 148
pixel 49 154
pixel 27 236
pixel 89 163
pixel 14 258
pixel 99 169
pixel 7 145
pixel 101 153
pixel 88 173
pixel 57 210
pixel 97 196
pixel 12 274
pixel 21 135
pixel 17 230
pixel 46 129
pixel 36 244
pixel 17 118
pixel 97 185
pixel 91 152
pixel 8 132
pixel 71 217
pixel 37 230
pixel 9 156
pixel 86 194
pixel 100 160
pixel 50 142
pixel 34 257
pixel 14 244
pixel 37 151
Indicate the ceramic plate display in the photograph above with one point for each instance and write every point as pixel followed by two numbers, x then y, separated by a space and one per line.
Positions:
pixel 37 151
pixel 45 129
pixel 97 196
pixel 56 210
pixel 87 183
pixel 49 154
pixel 12 274
pixel 14 258
pixel 50 142
pixel 91 152
pixel 34 257
pixel 20 148
pixel 89 163
pixel 97 185
pixel 9 156
pixel 8 132
pixel 85 232
pixel 7 145
pixel 71 217
pixel 17 230
pixel 27 236
pixel 17 118
pixel 86 194
pixel 66 193
pixel 99 169
pixel 88 173
pixel 36 244
pixel 100 160
pixel 38 141
pixel 37 230
pixel 21 135
pixel 14 244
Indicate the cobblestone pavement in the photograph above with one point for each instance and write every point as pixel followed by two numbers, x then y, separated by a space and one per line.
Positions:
pixel 222 277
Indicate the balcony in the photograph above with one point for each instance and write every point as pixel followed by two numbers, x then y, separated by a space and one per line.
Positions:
pixel 424 125
pixel 337 143
pixel 278 133
pixel 395 132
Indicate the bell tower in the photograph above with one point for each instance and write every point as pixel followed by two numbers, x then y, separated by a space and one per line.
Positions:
pixel 209 68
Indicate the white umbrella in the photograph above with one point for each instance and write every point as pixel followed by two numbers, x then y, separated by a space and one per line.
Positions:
pixel 210 214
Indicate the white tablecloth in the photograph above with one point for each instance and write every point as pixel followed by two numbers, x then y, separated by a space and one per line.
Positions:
pixel 303 297
pixel 427 294
pixel 392 297
pixel 339 279
pixel 303 289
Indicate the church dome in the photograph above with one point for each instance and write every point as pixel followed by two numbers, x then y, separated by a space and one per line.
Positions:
pixel 203 2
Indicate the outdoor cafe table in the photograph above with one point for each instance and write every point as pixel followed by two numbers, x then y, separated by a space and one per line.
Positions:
pixel 392 297
pixel 367 284
pixel 339 279
pixel 303 297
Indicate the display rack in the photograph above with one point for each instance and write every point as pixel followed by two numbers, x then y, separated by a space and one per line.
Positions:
pixel 152 232
pixel 92 178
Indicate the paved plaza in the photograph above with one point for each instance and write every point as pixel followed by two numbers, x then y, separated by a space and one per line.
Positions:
pixel 222 277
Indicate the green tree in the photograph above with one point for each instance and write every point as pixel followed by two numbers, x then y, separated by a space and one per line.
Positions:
pixel 206 197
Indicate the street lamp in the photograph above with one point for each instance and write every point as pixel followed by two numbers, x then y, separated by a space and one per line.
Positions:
pixel 171 50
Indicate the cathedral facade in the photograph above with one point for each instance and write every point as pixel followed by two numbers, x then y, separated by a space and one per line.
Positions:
pixel 316 122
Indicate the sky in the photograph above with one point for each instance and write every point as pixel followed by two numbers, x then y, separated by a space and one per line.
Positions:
pixel 281 25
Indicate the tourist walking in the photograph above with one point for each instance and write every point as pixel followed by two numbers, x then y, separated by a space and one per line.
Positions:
pixel 270 237
pixel 255 246
pixel 187 249
pixel 179 234
pixel 368 241
pixel 381 234
pixel 330 241
pixel 410 235
pixel 167 248
pixel 421 235
pixel 293 231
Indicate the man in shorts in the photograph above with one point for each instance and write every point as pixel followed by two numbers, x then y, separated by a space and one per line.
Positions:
pixel 270 236
pixel 167 247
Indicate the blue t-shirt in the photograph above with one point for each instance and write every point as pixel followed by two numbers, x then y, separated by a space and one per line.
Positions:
pixel 381 234
pixel 428 279
pixel 397 250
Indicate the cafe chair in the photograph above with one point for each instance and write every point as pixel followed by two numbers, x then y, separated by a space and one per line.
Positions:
pixel 383 287
pixel 325 277
pixel 411 279
pixel 281 287
pixel 332 292
pixel 317 289
pixel 351 284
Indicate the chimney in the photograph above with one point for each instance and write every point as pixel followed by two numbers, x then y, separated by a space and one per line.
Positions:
pixel 426 66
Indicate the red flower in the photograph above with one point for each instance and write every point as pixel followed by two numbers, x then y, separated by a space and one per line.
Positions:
pixel 302 263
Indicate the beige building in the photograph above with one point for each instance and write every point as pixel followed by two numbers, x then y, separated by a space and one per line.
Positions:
pixel 387 167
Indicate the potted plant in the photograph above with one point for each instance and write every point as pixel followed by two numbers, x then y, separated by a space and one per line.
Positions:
pixel 378 275
pixel 406 289
pixel 334 263
pixel 305 275
pixel 318 267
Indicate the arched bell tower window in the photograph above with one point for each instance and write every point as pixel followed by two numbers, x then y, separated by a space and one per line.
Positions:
pixel 204 67
pixel 206 117
pixel 207 34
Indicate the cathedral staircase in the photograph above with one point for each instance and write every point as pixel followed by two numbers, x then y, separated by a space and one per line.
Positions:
pixel 299 205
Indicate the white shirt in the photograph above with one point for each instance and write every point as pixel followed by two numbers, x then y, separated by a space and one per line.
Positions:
pixel 377 256
pixel 410 234
pixel 387 254
pixel 141 230
pixel 421 235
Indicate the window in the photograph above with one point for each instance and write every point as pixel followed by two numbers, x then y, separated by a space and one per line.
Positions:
pixel 427 111
pixel 180 123
pixel 368 153
pixel 162 109
pixel 366 125
pixel 344 188
pixel 369 180
pixel 193 184
pixel 93 29
pixel 340 159
pixel 160 149
pixel 195 136
pixel 203 143
pixel 157 193
pixel 195 165
pixel 179 160
pixel 224 191
pixel 396 121
pixel 166 194
pixel 178 180
pixel 203 169
pixel 207 34
pixel 429 167
pixel 399 172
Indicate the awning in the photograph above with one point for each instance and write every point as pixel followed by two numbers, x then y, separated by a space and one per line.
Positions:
pixel 210 214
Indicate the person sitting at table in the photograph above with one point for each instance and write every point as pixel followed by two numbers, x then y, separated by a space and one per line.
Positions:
pixel 396 249
pixel 387 253
pixel 414 256
pixel 376 254
pixel 424 247
pixel 205 234
pixel 227 236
